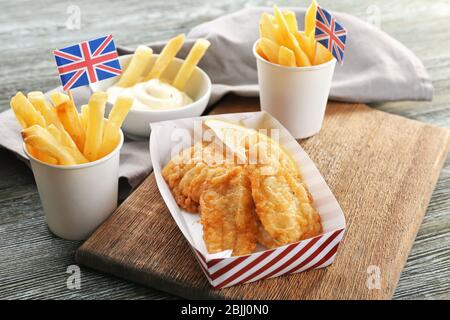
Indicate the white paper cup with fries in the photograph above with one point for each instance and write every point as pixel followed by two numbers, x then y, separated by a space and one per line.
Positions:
pixel 74 157
pixel 77 198
pixel 296 96
pixel 294 71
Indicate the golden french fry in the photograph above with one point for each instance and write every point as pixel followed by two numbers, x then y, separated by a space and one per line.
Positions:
pixel 290 41
pixel 291 20
pixel 189 64
pixel 42 140
pixel 94 131
pixel 310 19
pixel 301 57
pixel 68 114
pixel 308 44
pixel 58 98
pixel 270 49
pixel 111 137
pixel 166 56
pixel 54 132
pixel 286 57
pixel 65 139
pixel 41 104
pixel 19 118
pixel 111 134
pixel 322 55
pixel 41 155
pixel 25 112
pixel 268 29
pixel 77 155
pixel 120 110
pixel 84 115
pixel 261 52
pixel 138 64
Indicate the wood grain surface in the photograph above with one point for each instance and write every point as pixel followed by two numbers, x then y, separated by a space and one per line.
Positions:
pixel 382 169
pixel 33 262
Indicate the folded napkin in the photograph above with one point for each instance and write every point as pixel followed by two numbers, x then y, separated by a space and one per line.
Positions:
pixel 377 68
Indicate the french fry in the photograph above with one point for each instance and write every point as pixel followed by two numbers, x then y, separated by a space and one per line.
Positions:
pixel 25 112
pixel 268 29
pixel 54 132
pixel 289 39
pixel 68 115
pixel 261 52
pixel 94 131
pixel 41 104
pixel 40 139
pixel 270 49
pixel 58 98
pixel 308 44
pixel 310 19
pixel 322 55
pixel 291 20
pixel 84 115
pixel 19 118
pixel 111 134
pixel 189 64
pixel 41 155
pixel 65 139
pixel 166 56
pixel 286 57
pixel 120 110
pixel 139 62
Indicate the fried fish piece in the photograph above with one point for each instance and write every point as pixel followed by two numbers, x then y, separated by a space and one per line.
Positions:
pixel 175 172
pixel 283 204
pixel 227 212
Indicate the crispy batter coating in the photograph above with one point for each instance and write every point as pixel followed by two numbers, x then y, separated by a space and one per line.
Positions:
pixel 178 175
pixel 283 205
pixel 226 208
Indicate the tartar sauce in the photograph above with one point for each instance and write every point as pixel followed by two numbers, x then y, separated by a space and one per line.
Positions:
pixel 154 94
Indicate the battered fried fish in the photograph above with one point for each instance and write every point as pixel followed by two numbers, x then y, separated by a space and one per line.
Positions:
pixel 227 212
pixel 283 204
pixel 178 175
pixel 262 200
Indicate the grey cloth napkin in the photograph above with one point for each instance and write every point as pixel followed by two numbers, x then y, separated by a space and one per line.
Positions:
pixel 377 68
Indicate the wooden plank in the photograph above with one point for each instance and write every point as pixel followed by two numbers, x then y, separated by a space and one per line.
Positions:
pixel 382 169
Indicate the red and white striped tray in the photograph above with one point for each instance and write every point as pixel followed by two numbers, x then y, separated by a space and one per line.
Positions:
pixel 221 269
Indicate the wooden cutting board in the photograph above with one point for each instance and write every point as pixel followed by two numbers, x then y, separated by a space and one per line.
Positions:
pixel 382 169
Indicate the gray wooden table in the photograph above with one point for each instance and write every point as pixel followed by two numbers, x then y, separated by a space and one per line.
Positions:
pixel 33 262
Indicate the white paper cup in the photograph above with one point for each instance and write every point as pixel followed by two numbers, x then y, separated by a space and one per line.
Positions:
pixel 296 96
pixel 77 199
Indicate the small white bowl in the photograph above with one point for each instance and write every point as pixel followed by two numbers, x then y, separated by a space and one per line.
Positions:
pixel 137 122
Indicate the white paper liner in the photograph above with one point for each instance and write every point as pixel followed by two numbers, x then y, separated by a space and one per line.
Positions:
pixel 163 142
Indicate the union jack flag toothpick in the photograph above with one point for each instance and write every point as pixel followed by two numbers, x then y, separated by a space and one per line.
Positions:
pixel 87 62
pixel 330 33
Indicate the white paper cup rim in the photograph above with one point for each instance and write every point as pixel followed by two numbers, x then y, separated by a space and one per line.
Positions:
pixel 299 69
pixel 78 166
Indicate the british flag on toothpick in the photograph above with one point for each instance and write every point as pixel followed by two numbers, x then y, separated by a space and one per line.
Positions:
pixel 330 33
pixel 87 62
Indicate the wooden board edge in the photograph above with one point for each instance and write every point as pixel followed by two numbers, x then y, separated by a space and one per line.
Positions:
pixel 111 267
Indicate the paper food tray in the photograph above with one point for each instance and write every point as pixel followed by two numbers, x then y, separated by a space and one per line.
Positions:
pixel 221 269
